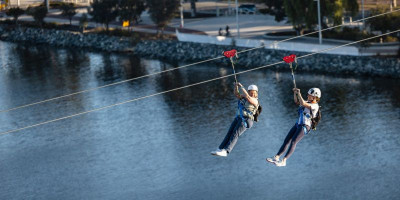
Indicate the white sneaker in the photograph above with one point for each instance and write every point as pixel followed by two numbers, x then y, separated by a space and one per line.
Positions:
pixel 281 163
pixel 222 153
pixel 273 159
pixel 215 152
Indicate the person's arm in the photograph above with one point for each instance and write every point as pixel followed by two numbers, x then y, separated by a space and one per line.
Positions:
pixel 246 95
pixel 236 91
pixel 301 100
pixel 296 100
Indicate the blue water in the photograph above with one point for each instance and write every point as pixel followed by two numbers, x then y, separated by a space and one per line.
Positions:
pixel 159 147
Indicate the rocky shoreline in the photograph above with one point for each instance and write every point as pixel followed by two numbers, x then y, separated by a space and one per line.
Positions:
pixel 323 63
pixel 191 52
pixel 61 38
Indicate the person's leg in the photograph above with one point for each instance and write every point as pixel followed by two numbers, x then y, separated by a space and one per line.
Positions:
pixel 238 131
pixel 287 140
pixel 229 134
pixel 249 123
pixel 296 139
pixel 300 133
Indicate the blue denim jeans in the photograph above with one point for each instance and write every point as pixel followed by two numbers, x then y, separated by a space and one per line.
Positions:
pixel 237 129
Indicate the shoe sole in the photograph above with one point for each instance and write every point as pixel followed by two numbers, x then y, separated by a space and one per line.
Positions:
pixel 278 164
pixel 271 161
pixel 219 155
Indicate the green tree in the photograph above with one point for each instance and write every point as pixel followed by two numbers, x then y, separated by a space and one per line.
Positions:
pixel 68 10
pixel 351 6
pixel 303 13
pixel 38 13
pixel 130 10
pixel 104 11
pixel 162 11
pixel 275 8
pixel 384 23
pixel 336 9
pixel 15 13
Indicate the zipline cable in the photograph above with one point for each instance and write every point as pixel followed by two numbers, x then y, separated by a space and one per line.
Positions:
pixel 195 63
pixel 190 85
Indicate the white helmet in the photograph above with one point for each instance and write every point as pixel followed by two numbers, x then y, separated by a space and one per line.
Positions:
pixel 315 92
pixel 253 87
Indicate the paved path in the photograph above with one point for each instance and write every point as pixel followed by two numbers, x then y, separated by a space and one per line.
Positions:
pixel 251 26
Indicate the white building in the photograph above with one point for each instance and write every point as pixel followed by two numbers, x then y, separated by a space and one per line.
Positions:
pixel 26 3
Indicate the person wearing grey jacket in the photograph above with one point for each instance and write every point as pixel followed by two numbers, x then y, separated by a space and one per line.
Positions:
pixel 247 107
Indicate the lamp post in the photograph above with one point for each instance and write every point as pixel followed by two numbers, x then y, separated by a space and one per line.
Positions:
pixel 319 22
pixel 181 8
pixel 229 7
pixel 362 7
pixel 216 8
pixel 237 19
pixel 392 4
pixel 362 14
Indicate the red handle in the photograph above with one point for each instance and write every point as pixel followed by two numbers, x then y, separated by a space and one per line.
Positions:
pixel 230 54
pixel 289 59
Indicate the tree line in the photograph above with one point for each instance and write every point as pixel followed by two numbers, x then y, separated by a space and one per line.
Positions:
pixel 107 11
pixel 161 11
pixel 39 12
pixel 301 13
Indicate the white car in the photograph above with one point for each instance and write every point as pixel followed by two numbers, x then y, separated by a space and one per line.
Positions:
pixel 247 9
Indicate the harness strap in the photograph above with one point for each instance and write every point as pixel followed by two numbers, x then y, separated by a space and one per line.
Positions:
pixel 301 120
pixel 301 115
pixel 240 114
pixel 241 108
pixel 304 127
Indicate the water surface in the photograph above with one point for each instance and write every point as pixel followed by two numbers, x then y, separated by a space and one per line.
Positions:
pixel 158 148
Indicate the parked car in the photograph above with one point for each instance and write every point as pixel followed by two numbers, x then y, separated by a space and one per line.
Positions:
pixel 2 5
pixel 2 8
pixel 247 9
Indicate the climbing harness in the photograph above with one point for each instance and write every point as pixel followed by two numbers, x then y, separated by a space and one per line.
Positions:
pixel 301 113
pixel 241 108
pixel 231 54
